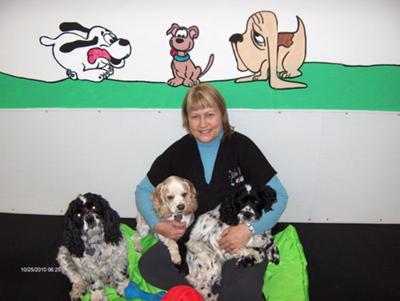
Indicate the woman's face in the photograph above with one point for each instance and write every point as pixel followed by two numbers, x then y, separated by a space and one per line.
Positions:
pixel 205 124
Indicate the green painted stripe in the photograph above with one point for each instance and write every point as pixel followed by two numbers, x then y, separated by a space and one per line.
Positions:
pixel 330 87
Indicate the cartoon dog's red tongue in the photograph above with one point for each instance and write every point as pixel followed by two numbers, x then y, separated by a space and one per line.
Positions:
pixel 95 53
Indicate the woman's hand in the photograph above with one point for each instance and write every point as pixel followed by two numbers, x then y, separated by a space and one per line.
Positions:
pixel 234 238
pixel 170 229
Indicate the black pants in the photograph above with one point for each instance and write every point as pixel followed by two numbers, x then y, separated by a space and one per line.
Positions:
pixel 238 283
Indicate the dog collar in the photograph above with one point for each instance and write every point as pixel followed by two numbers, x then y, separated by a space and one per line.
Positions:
pixel 181 58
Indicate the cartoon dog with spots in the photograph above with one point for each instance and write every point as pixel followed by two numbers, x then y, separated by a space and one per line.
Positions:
pixel 88 54
pixel 269 54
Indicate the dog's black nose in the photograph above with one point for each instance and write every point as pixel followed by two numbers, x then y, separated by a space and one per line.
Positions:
pixel 179 40
pixel 123 42
pixel 237 37
pixel 181 207
pixel 247 215
pixel 89 219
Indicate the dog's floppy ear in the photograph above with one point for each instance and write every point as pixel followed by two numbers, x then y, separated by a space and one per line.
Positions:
pixel 111 219
pixel 270 30
pixel 173 29
pixel 160 208
pixel 268 195
pixel 68 47
pixel 73 230
pixel 228 212
pixel 193 32
pixel 192 206
pixel 70 26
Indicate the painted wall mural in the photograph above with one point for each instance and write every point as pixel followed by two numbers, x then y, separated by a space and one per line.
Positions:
pixel 184 70
pixel 88 53
pixel 268 54
pixel 147 55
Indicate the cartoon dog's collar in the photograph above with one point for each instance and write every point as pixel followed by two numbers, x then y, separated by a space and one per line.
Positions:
pixel 181 58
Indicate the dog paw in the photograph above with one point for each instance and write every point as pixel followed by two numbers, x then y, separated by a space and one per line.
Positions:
pixel 110 70
pixel 77 291
pixel 176 260
pixel 244 79
pixel 104 75
pixel 188 83
pixel 138 246
pixel 196 82
pixel 273 255
pixel 287 74
pixel 138 249
pixel 72 74
pixel 246 261
pixel 211 297
pixel 175 82
pixel 97 295
pixel 121 286
pixel 274 258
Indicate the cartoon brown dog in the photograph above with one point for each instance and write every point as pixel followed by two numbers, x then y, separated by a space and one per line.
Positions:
pixel 264 51
pixel 183 69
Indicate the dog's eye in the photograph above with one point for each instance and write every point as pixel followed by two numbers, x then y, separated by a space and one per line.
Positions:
pixel 181 33
pixel 170 197
pixel 94 208
pixel 78 215
pixel 184 194
pixel 110 38
pixel 258 39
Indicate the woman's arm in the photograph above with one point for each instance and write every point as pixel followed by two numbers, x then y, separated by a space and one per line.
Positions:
pixel 144 203
pixel 235 237
pixel 270 218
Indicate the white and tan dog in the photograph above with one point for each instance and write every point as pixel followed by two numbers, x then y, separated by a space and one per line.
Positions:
pixel 88 54
pixel 173 199
pixel 265 52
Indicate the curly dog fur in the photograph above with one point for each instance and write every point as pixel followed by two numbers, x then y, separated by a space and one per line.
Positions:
pixel 205 258
pixel 94 252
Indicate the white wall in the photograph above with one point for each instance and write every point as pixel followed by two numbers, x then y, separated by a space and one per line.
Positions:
pixel 356 32
pixel 336 166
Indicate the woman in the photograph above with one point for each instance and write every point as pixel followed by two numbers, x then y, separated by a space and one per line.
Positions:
pixel 213 156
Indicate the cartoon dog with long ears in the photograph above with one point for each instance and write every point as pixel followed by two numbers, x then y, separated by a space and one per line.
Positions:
pixel 88 54
pixel 265 52
pixel 183 69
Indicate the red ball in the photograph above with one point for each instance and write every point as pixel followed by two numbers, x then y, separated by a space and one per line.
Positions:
pixel 182 293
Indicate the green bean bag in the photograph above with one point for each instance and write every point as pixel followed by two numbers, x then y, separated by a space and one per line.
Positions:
pixel 287 281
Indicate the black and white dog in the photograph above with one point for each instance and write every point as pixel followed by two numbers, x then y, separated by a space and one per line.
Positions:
pixel 205 258
pixel 94 252
pixel 88 53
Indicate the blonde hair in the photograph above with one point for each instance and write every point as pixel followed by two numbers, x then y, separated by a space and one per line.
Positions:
pixel 204 96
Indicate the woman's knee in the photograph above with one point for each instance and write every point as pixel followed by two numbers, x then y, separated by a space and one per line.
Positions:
pixel 242 284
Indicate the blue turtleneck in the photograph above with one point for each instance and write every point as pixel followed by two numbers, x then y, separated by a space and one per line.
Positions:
pixel 208 154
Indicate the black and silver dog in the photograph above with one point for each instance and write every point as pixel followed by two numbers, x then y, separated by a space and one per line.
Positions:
pixel 205 258
pixel 94 252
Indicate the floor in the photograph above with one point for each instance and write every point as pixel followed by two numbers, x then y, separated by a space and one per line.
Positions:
pixel 345 261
